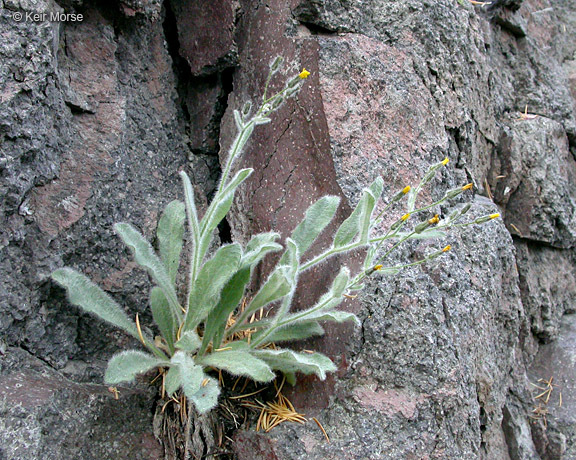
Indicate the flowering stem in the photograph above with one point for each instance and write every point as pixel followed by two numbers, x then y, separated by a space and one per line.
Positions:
pixel 296 317
pixel 331 252
pixel 364 274
pixel 266 87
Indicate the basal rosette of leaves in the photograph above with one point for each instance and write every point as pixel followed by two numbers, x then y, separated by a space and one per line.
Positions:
pixel 195 331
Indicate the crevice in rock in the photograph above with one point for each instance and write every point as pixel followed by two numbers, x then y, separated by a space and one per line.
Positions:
pixel 508 431
pixel 227 85
pixel 22 345
pixel 508 26
pixel 225 232
pixel 572 144
pixel 180 67
pixel 226 80
pixel 317 29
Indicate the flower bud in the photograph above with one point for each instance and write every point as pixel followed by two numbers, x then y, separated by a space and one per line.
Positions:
pixel 247 108
pixel 400 222
pixel 276 64
pixel 453 193
pixel 292 83
pixel 465 209
pixel 421 226
pixel 483 219
pixel 401 194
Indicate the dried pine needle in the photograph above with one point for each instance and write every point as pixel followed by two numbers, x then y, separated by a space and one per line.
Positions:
pixel 275 413
pixel 236 383
pixel 139 330
pixel 517 230
pixel 488 189
pixel 321 428
pixel 247 395
pixel 278 390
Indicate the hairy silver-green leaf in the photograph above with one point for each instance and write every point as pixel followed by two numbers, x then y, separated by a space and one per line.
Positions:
pixel 172 380
pixel 238 362
pixel 194 227
pixel 298 331
pixel 229 299
pixel 373 193
pixel 222 203
pixel 238 120
pixel 351 226
pixel 340 283
pixel 291 258
pixel 258 246
pixel 85 294
pixel 290 377
pixel 191 375
pixel 370 257
pixel 126 365
pixel 334 315
pixel 359 222
pixel 189 341
pixel 411 201
pixel 291 361
pixel 326 302
pixel 170 233
pixel 211 280
pixel 145 256
pixel 277 286
pixel 163 316
pixel 317 217
pixel 206 397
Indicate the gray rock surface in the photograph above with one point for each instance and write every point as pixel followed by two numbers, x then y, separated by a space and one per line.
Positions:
pixel 539 183
pixel 556 360
pixel 97 117
pixel 45 415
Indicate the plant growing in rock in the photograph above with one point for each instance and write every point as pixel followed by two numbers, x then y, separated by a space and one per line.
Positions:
pixel 206 328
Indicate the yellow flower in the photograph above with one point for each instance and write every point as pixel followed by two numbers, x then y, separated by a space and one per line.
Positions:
pixel 468 186
pixel 406 189
pixel 494 216
pixel 445 161
pixel 447 248
pixel 434 220
pixel 377 267
pixel 304 74
pixel 405 217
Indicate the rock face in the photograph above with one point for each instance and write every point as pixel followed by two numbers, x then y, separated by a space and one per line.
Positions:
pixel 98 116
pixel 556 360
